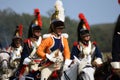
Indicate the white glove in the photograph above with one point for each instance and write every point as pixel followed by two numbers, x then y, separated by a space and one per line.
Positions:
pixel 76 60
pixel 51 58
pixel 26 61
pixel 66 64
pixel 98 61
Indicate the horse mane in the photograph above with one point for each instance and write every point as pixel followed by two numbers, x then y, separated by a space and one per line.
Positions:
pixel 83 76
pixel 104 70
pixel 4 52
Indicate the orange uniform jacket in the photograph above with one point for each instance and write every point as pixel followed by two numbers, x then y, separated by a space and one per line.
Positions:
pixel 48 42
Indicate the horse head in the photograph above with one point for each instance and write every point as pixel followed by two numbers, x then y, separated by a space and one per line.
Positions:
pixel 83 76
pixel 4 60
pixel 102 72
pixel 4 65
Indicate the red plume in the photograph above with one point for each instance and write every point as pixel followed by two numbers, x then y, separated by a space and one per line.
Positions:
pixel 82 17
pixel 37 14
pixel 20 30
pixel 119 1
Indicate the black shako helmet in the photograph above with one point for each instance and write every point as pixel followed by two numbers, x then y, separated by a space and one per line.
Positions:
pixel 36 24
pixel 83 27
pixel 58 17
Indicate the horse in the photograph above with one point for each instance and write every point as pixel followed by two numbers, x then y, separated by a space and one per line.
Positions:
pixel 15 50
pixel 102 72
pixel 33 70
pixel 106 72
pixel 85 69
pixel 34 67
pixel 4 65
pixel 86 73
pixel 12 56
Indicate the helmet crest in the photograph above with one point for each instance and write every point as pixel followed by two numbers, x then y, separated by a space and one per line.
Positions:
pixel 83 26
pixel 58 17
pixel 36 24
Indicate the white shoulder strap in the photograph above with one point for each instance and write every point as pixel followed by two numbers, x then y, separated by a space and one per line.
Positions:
pixel 46 36
pixel 65 35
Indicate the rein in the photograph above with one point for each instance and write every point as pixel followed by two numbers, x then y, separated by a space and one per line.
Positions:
pixel 87 66
pixel 5 52
pixel 66 76
pixel 4 60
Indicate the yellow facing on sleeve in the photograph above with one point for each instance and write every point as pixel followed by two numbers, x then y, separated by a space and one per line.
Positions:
pixel 66 49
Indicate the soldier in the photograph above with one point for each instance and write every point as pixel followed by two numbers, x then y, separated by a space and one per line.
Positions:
pixel 31 44
pixel 116 51
pixel 84 50
pixel 16 47
pixel 54 47
pixel 116 42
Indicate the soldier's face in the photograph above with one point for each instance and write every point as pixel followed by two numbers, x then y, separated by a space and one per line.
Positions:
pixel 59 31
pixel 86 37
pixel 17 43
pixel 37 33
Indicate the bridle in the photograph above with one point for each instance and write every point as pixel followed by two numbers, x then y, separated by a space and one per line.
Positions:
pixel 3 61
pixel 7 60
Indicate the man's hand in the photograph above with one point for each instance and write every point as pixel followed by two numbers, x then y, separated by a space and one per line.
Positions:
pixel 51 58
pixel 26 61
pixel 94 63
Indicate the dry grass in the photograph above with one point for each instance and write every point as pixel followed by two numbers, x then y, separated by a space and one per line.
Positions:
pixel 106 55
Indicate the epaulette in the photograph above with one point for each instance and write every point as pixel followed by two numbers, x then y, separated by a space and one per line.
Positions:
pixel 94 43
pixel 27 41
pixel 65 35
pixel 46 36
pixel 75 43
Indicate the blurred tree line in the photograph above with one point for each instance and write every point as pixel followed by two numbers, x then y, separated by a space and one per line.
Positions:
pixel 101 33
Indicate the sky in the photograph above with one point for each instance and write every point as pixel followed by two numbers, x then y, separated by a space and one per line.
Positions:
pixel 96 11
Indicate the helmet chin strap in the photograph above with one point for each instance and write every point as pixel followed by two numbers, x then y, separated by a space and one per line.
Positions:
pixel 36 37
pixel 56 34
pixel 85 42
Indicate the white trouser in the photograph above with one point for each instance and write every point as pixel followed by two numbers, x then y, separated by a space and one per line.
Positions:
pixel 45 73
